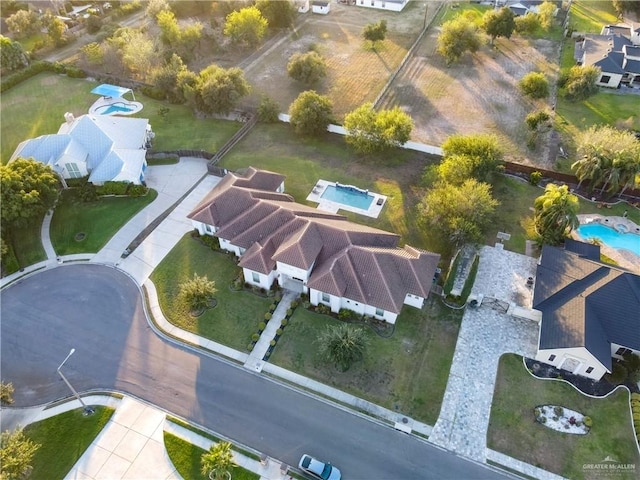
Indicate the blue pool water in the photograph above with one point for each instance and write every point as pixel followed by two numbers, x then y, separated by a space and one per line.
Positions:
pixel 347 196
pixel 114 107
pixel 610 237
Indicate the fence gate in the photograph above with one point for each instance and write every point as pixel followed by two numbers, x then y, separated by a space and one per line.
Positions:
pixel 496 304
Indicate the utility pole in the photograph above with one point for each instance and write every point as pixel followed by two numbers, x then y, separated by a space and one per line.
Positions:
pixel 87 410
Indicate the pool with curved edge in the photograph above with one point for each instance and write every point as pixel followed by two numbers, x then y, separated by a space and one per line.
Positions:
pixel 610 237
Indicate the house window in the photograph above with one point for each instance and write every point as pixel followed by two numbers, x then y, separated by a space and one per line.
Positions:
pixel 590 369
pixel 552 358
pixel 605 78
pixel 74 171
pixel 379 312
pixel 256 277
pixel 622 351
pixel 326 297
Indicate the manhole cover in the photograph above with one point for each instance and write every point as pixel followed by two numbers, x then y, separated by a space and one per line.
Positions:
pixel 80 236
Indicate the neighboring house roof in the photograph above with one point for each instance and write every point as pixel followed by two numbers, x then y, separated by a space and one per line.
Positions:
pixel 613 50
pixel 347 259
pixel 586 303
pixel 113 148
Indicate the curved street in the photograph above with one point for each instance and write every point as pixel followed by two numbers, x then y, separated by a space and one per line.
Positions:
pixel 98 311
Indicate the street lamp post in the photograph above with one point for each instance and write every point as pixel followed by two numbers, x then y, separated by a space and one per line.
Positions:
pixel 87 410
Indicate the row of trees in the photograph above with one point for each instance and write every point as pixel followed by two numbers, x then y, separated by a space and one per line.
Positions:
pixel 463 33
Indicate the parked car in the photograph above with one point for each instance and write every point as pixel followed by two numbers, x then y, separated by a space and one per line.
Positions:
pixel 318 469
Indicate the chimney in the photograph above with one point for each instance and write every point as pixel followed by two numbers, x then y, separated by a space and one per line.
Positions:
pixel 69 118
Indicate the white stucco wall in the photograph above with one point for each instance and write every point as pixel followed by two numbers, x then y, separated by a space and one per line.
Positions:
pixel 293 272
pixel 381 4
pixel 615 347
pixel 228 246
pixel 265 281
pixel 614 81
pixel 203 228
pixel 337 303
pixel 414 300
pixel 580 354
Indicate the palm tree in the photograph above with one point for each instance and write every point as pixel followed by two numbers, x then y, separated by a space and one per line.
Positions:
pixel 218 461
pixel 343 345
pixel 555 214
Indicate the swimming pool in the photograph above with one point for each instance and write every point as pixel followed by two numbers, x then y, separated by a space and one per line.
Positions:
pixel 114 108
pixel 348 195
pixel 610 237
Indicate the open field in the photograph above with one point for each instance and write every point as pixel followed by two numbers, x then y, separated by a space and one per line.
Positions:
pixel 514 431
pixel 407 372
pixel 589 16
pixel 356 73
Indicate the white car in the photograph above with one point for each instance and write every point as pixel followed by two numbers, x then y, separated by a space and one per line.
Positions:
pixel 318 469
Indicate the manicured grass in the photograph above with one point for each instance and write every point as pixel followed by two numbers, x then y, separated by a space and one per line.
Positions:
pixel 98 220
pixel 37 106
pixel 236 315
pixel 514 431
pixel 615 211
pixel 63 440
pixel 589 16
pixel 186 458
pixel 451 11
pixel 27 244
pixel 407 372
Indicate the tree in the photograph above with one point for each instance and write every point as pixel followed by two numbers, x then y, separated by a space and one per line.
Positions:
pixel 579 82
pixel 484 149
pixel 457 37
pixel 16 454
pixel 219 90
pixel 307 68
pixel 166 79
pixel 456 169
pixel 546 14
pixel 279 13
pixel 459 214
pixel 12 55
pixel 93 53
pixel 154 7
pixel 56 31
pixel 246 26
pixel 197 291
pixel 535 119
pixel 28 189
pixel 534 85
pixel 169 29
pixel 343 345
pixel 622 6
pixel 182 41
pixel 6 389
pixel 527 24
pixel 310 113
pixel 93 24
pixel 375 32
pixel 268 110
pixel 555 214
pixel 498 23
pixel 138 51
pixel 371 131
pixel 24 23
pixel 218 461
pixel 610 157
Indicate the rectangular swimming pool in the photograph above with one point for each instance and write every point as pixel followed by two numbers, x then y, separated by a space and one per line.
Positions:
pixel 348 195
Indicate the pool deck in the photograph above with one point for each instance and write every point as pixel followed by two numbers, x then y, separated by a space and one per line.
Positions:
pixel 624 258
pixel 106 101
pixel 328 206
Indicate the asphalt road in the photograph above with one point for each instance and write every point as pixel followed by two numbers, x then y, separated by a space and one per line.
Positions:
pixel 98 311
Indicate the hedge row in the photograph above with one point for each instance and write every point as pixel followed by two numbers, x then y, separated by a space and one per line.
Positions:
pixel 9 81
pixel 121 188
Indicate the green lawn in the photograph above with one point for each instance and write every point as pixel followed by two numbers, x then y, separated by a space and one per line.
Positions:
pixel 98 220
pixel 37 106
pixel 453 9
pixel 27 244
pixel 236 315
pixel 186 458
pixel 63 440
pixel 514 431
pixel 589 16
pixel 407 372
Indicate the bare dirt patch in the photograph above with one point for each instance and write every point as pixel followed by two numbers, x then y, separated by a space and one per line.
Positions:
pixel 477 95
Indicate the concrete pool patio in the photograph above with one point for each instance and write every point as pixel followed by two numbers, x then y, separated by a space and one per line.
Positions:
pixel 378 201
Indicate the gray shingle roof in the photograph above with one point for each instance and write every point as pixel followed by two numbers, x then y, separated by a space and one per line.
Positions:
pixel 586 303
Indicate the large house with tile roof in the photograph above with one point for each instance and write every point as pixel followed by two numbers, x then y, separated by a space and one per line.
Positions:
pixel 616 51
pixel 341 264
pixel 590 310
pixel 106 148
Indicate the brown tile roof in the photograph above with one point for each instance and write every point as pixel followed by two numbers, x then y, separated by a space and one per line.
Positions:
pixel 350 260
pixel 260 179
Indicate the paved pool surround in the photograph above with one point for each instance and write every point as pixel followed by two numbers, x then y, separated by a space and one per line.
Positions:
pixel 378 201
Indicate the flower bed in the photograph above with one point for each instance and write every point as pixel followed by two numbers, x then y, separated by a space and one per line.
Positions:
pixel 562 419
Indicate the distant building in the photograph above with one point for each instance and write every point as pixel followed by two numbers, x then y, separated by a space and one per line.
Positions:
pixel 393 5
pixel 320 6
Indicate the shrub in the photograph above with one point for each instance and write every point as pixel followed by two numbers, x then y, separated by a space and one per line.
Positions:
pixel 255 337
pixel 618 375
pixel 113 188
pixel 294 304
pixel 278 296
pixel 197 291
pixel 6 393
pixel 537 412
pixel 537 119
pixel 268 110
pixel 137 190
pixel 75 72
pixel 535 177
pixel 559 411
pixel 261 326
pixel 250 347
pixel 272 343
pixel 272 307
pixel 534 85
pixel 88 193
pixel 284 322
pixel 635 396
pixel 213 243
pixel 279 331
pixel 267 316
pixel 289 312
pixel 153 92
pixel 587 421
pixel 543 419
pixel 93 24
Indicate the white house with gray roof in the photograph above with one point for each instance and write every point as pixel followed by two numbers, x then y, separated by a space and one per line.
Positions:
pixel 106 148
pixel 341 264
pixel 616 51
